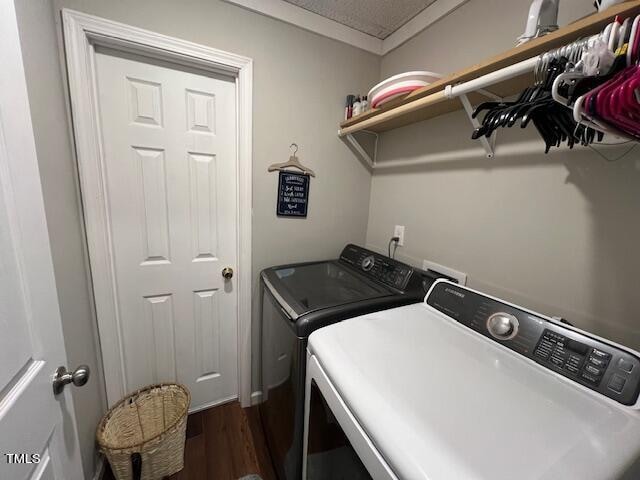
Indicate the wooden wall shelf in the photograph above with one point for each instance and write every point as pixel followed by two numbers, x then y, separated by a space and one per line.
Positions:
pixel 431 101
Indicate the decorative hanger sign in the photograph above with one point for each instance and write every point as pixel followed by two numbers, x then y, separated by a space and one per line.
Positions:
pixel 293 187
pixel 293 162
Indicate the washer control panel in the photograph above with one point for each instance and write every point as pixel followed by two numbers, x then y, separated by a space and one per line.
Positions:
pixel 383 269
pixel 607 369
pixel 503 326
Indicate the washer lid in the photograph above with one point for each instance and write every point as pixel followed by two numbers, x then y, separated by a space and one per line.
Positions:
pixel 314 286
pixel 440 402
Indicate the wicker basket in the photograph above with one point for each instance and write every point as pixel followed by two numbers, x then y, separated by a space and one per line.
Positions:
pixel 143 435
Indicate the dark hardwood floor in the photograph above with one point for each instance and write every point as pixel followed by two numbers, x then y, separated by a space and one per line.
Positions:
pixel 224 443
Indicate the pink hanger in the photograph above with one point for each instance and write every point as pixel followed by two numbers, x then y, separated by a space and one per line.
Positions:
pixel 583 113
pixel 614 106
pixel 624 104
pixel 610 108
pixel 629 96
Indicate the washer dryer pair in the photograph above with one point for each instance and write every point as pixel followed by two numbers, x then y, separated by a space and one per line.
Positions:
pixel 301 298
pixel 464 386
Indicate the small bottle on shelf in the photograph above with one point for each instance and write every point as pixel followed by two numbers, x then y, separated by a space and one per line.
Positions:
pixel 357 107
pixel 348 109
pixel 364 104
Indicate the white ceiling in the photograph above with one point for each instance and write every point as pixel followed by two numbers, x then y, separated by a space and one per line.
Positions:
pixel 379 18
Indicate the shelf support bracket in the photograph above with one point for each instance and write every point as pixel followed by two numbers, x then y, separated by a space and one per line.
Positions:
pixel 367 155
pixel 487 143
pixel 489 94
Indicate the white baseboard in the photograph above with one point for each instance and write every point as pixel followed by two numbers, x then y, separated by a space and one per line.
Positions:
pixel 256 397
pixel 213 404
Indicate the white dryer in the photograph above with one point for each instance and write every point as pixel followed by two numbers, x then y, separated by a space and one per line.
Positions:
pixel 465 386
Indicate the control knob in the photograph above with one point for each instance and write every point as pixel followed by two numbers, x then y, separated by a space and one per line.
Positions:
pixel 368 262
pixel 502 326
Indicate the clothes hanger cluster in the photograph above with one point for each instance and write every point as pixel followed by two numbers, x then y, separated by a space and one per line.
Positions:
pixel 603 90
pixel 293 162
pixel 553 122
pixel 581 91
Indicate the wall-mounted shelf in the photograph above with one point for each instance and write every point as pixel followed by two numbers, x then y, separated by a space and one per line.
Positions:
pixel 503 75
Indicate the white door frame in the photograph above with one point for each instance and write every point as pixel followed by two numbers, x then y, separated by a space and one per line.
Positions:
pixel 82 33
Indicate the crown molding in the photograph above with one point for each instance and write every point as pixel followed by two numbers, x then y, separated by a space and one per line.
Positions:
pixel 298 16
pixel 313 22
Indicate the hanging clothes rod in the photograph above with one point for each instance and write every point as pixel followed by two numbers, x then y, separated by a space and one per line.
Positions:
pixel 485 81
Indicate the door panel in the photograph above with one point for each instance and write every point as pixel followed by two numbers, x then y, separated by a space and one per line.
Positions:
pixel 32 421
pixel 207 334
pixel 203 172
pixel 16 348
pixel 169 136
pixel 159 321
pixel 44 471
pixel 153 204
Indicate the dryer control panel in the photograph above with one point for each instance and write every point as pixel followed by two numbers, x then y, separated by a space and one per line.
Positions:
pixel 602 367
pixel 383 269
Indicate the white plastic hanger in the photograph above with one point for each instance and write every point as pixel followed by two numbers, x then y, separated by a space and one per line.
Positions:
pixel 597 55
pixel 624 28
pixel 634 30
pixel 562 78
pixel 292 163
pixel 614 35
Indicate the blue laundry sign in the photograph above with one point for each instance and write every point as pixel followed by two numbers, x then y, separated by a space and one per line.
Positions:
pixel 293 195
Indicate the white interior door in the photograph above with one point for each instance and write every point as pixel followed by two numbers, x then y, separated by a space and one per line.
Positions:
pixel 38 437
pixel 169 170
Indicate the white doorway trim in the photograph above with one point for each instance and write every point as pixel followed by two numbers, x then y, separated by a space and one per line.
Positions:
pixel 82 33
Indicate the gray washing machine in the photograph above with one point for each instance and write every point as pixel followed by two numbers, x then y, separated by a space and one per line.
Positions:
pixel 301 298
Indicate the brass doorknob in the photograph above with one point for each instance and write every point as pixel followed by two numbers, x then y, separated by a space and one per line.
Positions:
pixel 227 273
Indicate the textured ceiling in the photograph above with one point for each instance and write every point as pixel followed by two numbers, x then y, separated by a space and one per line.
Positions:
pixel 379 18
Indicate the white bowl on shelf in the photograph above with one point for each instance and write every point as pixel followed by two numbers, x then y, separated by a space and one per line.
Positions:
pixel 398 85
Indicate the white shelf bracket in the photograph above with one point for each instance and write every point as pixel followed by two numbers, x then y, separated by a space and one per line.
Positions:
pixel 489 94
pixel 487 143
pixel 368 157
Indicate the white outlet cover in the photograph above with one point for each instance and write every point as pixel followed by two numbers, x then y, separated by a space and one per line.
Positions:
pixel 398 231
pixel 461 277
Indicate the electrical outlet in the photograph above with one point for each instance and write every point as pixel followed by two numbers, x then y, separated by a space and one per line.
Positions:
pixel 398 231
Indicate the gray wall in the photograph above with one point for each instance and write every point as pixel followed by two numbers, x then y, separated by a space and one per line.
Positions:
pixel 557 233
pixel 62 206
pixel 300 80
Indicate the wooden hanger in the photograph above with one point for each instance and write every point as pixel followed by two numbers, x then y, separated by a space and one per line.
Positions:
pixel 292 163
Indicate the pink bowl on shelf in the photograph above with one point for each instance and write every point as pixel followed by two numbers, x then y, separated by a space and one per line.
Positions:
pixel 399 85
